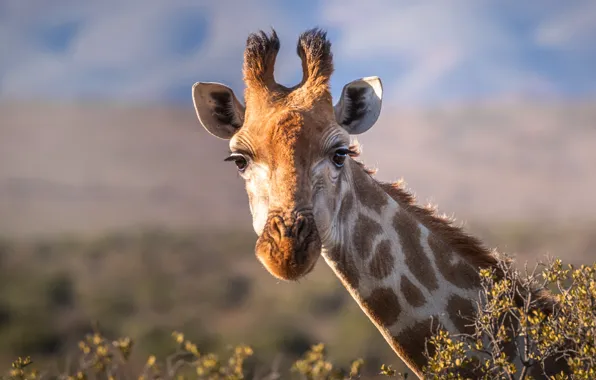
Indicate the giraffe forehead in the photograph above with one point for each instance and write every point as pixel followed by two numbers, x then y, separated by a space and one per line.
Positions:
pixel 287 136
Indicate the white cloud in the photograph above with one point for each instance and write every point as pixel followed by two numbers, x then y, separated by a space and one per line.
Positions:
pixel 450 49
pixel 126 43
pixel 573 27
pixel 412 30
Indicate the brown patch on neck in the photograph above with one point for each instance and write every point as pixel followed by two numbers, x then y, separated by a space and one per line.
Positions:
pixel 383 306
pixel 461 312
pixel 460 274
pixel 411 343
pixel 412 294
pixel 383 262
pixel 415 257
pixel 348 272
pixel 364 235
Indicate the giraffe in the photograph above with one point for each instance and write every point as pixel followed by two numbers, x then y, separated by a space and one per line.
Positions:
pixel 309 196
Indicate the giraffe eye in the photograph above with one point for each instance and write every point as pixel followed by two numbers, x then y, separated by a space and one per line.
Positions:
pixel 240 161
pixel 339 157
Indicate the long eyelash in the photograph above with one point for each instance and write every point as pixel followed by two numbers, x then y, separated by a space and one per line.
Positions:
pixel 234 156
pixel 347 152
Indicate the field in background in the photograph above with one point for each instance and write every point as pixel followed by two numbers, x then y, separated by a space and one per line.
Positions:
pixel 128 216
pixel 94 167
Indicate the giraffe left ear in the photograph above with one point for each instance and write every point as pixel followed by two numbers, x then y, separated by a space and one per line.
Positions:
pixel 218 109
pixel 360 105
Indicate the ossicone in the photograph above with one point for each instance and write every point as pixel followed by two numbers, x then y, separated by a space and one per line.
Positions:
pixel 260 55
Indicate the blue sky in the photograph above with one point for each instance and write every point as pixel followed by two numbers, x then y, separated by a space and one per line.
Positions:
pixel 426 52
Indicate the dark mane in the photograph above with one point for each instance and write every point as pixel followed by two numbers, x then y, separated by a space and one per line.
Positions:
pixel 469 247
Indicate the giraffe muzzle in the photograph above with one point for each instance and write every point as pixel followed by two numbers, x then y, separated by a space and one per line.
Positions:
pixel 289 247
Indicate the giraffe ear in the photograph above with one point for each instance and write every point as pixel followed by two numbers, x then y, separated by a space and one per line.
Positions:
pixel 360 105
pixel 218 109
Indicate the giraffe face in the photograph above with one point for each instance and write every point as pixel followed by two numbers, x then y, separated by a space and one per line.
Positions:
pixel 290 161
pixel 291 146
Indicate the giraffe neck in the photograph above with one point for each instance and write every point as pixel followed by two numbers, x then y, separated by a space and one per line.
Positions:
pixel 404 276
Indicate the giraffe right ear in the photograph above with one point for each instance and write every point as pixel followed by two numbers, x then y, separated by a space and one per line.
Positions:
pixel 359 105
pixel 218 109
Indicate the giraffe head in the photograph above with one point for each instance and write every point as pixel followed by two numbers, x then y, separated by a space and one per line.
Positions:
pixel 290 145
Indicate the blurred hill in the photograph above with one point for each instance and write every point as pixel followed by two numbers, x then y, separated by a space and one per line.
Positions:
pixel 94 167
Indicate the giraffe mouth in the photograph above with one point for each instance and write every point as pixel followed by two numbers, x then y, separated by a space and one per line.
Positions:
pixel 289 248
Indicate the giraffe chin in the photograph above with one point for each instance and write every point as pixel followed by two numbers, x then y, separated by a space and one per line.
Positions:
pixel 285 259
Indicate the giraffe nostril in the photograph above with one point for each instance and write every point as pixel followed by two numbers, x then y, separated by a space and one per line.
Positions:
pixel 277 227
pixel 301 228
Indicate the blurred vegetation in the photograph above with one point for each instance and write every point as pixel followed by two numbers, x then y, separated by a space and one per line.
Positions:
pixel 102 358
pixel 146 283
pixel 149 282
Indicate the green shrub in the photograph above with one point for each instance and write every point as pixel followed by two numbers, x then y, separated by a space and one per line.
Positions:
pixel 567 335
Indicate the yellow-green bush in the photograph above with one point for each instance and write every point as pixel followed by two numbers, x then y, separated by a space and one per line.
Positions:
pixel 102 358
pixel 512 308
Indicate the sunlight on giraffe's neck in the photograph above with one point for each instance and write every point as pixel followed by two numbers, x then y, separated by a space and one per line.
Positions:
pixel 402 275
